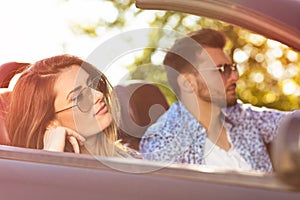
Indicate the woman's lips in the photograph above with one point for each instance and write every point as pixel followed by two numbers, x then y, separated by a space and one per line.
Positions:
pixel 102 109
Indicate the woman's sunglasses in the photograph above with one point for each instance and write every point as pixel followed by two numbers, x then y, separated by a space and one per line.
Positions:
pixel 85 99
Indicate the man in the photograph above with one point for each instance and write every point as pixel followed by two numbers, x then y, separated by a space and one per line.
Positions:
pixel 208 125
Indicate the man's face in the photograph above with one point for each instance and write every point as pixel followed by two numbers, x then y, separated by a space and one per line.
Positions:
pixel 212 85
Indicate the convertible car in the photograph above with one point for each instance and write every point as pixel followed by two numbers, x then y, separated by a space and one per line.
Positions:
pixel 37 174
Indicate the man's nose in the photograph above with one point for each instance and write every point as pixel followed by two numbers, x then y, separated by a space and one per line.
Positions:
pixel 234 75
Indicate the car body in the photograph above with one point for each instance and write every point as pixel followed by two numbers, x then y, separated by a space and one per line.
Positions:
pixel 38 174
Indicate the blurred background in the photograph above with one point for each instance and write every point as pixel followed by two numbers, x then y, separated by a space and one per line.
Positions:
pixel 32 30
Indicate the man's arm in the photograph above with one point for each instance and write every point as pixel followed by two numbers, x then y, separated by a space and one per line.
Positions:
pixel 267 120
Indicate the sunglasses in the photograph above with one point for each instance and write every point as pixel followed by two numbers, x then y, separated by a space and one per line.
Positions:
pixel 224 69
pixel 85 99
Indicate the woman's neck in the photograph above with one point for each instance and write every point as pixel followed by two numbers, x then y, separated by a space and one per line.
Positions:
pixel 91 145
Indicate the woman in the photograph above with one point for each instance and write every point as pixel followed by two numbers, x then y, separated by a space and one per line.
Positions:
pixel 61 102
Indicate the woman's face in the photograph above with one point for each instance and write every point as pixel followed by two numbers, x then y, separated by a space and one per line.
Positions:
pixel 87 113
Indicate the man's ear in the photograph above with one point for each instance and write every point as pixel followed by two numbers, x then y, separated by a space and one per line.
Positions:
pixel 187 82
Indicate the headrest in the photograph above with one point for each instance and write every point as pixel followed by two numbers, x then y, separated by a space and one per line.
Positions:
pixel 8 70
pixel 141 104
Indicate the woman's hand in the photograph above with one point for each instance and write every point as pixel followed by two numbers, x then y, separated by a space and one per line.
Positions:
pixel 55 137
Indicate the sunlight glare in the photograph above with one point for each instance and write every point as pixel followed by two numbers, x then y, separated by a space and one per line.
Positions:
pixel 275 69
pixel 30 33
pixel 292 55
pixel 190 20
pixel 292 70
pixel 157 57
pixel 273 43
pixel 258 77
pixel 256 39
pixel 240 56
pixel 269 97
pixel 259 57
pixel 289 87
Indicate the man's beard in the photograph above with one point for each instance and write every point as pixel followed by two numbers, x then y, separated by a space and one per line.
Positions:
pixel 218 98
pixel 231 102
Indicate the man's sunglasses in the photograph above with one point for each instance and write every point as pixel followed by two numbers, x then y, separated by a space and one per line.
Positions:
pixel 224 69
pixel 85 99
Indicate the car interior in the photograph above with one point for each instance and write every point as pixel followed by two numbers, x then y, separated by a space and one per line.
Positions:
pixel 136 117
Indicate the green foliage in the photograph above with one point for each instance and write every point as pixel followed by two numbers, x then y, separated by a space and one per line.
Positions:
pixel 269 74
pixel 268 93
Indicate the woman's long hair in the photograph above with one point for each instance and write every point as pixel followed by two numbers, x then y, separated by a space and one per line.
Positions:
pixel 32 103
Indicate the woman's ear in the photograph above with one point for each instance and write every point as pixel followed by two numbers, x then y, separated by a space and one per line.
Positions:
pixel 187 82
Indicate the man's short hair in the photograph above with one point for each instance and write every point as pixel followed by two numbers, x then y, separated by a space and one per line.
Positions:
pixel 182 56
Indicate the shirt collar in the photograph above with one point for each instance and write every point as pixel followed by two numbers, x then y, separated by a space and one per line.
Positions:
pixel 228 114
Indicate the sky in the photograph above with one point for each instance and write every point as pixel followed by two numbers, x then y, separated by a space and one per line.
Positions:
pixel 35 29
pixel 31 30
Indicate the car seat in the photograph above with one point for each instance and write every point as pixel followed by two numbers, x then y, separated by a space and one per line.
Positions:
pixel 141 104
pixel 8 70
pixel 4 99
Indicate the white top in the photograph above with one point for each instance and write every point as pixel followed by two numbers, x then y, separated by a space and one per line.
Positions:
pixel 217 157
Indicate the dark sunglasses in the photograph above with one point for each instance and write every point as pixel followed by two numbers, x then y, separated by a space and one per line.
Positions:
pixel 85 99
pixel 224 69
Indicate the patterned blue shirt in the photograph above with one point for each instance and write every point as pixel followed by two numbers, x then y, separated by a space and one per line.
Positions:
pixel 178 137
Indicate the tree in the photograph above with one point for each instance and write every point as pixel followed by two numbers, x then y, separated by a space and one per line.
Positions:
pixel 269 71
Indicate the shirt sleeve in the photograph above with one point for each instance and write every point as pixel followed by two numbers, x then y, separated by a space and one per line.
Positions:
pixel 267 121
